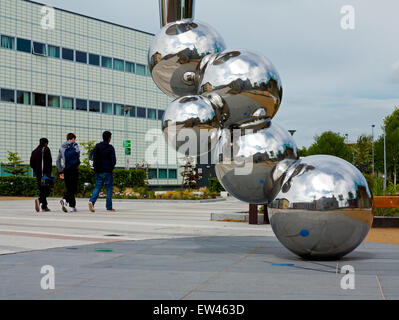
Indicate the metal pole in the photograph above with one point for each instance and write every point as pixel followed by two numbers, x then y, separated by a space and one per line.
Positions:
pixel 372 144
pixel 385 160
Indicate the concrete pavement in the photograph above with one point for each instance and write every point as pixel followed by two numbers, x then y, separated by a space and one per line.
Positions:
pixel 172 251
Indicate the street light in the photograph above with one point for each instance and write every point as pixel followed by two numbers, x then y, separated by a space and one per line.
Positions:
pixel 292 132
pixel 385 160
pixel 372 143
pixel 126 110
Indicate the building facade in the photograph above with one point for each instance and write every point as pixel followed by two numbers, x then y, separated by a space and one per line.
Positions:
pixel 72 73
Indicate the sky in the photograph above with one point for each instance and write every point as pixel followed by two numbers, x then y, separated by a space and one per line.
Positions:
pixel 336 79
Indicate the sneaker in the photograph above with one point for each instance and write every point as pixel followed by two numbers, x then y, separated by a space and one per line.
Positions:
pixel 71 209
pixel 37 205
pixel 46 210
pixel 63 205
pixel 111 210
pixel 91 207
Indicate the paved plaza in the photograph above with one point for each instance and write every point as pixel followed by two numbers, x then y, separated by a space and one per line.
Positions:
pixel 172 251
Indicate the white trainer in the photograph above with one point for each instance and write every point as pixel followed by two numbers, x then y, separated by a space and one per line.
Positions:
pixel 63 205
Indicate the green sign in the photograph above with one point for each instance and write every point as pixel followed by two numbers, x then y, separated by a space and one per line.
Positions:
pixel 128 151
pixel 127 143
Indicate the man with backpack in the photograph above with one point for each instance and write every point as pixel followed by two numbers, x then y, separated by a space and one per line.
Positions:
pixel 41 163
pixel 104 161
pixel 68 168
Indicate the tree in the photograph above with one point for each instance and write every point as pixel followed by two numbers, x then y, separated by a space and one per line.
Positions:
pixel 363 153
pixel 391 124
pixel 15 165
pixel 303 152
pixel 330 143
pixel 88 146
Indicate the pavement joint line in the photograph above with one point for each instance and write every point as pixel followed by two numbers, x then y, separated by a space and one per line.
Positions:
pixel 124 222
pixel 380 287
pixel 217 275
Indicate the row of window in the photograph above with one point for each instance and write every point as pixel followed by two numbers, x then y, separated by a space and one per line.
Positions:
pixel 42 49
pixel 43 100
pixel 162 174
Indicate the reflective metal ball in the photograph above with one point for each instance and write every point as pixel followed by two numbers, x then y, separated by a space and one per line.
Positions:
pixel 247 82
pixel 324 209
pixel 191 124
pixel 176 51
pixel 251 164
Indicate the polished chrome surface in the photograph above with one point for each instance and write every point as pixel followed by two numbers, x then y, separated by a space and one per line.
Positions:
pixel 324 209
pixel 174 10
pixel 176 51
pixel 185 118
pixel 267 153
pixel 246 81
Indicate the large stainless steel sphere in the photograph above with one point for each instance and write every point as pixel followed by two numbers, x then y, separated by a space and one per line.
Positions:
pixel 324 209
pixel 191 122
pixel 176 51
pixel 252 166
pixel 246 81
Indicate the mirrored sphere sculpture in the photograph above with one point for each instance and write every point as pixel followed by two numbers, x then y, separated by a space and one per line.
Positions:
pixel 245 80
pixel 324 209
pixel 176 51
pixel 251 164
pixel 191 121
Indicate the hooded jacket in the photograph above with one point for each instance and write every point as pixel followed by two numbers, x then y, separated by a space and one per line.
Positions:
pixel 105 159
pixel 61 154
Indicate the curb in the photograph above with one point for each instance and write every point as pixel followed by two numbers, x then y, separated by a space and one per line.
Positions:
pixel 385 222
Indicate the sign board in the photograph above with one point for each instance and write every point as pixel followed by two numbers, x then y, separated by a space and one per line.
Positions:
pixel 128 151
pixel 127 143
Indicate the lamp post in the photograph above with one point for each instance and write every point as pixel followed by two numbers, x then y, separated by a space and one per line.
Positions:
pixel 292 132
pixel 126 110
pixel 385 160
pixel 372 145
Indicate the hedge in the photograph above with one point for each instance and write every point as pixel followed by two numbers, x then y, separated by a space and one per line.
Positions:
pixel 18 186
pixel 27 186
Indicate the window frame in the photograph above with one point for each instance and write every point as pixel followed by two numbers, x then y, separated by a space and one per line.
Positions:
pixel 54 96
pixel 43 46
pixel 76 105
pixel 98 57
pixel 20 42
pixel 66 50
pixel 96 102
pixel 34 102
pixel 103 59
pixel 58 51
pixel 23 92
pixel 9 37
pixel 80 52
pixel 8 91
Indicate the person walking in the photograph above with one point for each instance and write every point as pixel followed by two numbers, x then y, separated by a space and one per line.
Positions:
pixel 42 165
pixel 68 161
pixel 104 161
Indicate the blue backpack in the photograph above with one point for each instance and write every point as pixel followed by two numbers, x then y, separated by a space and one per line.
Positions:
pixel 71 157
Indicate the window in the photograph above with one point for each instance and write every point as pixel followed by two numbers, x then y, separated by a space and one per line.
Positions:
pixel 141 112
pixel 53 51
pixel 118 111
pixel 23 97
pixel 160 114
pixel 119 65
pixel 129 66
pixel 107 108
pixel 24 45
pixel 106 62
pixel 94 106
pixel 67 103
pixel 39 48
pixel 147 68
pixel 172 174
pixel 54 101
pixel 7 95
pixel 67 54
pixel 140 69
pixel 81 104
pixel 162 173
pixel 94 59
pixel 39 99
pixel 132 112
pixel 7 42
pixel 152 174
pixel 81 56
pixel 152 114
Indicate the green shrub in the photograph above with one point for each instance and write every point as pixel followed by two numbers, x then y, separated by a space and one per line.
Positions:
pixel 18 186
pixel 215 186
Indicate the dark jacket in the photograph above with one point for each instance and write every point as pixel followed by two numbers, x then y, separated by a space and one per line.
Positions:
pixel 104 158
pixel 36 161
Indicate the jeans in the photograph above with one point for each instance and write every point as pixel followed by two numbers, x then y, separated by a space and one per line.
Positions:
pixel 101 180
pixel 71 177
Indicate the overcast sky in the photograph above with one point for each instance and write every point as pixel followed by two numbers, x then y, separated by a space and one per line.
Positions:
pixel 333 79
